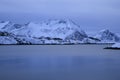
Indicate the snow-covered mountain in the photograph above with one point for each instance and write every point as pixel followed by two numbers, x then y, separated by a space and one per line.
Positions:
pixel 107 36
pixel 59 31
pixel 49 31
pixel 63 29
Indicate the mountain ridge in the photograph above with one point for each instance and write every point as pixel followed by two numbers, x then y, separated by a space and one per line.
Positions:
pixel 52 32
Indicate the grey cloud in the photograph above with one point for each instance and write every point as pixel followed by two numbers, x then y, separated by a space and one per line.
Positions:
pixel 60 6
pixel 91 14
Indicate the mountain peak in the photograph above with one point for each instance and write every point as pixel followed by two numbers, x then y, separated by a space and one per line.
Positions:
pixel 105 31
pixel 107 36
pixel 55 28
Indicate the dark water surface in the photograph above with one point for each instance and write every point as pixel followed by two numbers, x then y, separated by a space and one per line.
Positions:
pixel 59 62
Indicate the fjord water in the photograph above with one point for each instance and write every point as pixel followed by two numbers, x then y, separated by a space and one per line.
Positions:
pixel 59 62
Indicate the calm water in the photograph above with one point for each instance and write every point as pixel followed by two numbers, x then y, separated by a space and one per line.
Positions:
pixel 59 62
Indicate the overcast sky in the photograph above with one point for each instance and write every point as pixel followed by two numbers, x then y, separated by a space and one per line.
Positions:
pixel 91 15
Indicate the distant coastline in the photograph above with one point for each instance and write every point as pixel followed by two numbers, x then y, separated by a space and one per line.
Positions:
pixel 64 44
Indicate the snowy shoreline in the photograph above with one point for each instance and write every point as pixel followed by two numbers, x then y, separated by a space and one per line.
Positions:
pixel 114 46
pixel 65 44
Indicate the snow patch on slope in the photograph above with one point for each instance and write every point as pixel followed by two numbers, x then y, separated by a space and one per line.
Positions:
pixel 7 40
pixel 116 45
pixel 3 24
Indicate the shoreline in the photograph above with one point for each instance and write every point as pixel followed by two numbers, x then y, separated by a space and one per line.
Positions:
pixel 113 48
pixel 64 44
